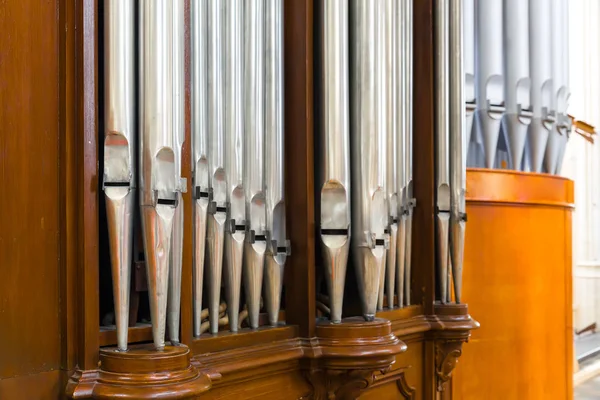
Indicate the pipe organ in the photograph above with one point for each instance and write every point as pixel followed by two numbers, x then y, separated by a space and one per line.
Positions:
pixel 282 210
pixel 521 82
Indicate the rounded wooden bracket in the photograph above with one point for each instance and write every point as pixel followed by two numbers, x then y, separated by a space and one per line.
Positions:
pixel 346 358
pixel 142 373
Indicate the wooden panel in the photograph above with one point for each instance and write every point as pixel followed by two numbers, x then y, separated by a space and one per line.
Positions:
pixel 283 386
pixel 30 325
pixel 43 386
pixel 521 256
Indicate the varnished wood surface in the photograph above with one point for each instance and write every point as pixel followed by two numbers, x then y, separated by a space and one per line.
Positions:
pixel 30 310
pixel 517 282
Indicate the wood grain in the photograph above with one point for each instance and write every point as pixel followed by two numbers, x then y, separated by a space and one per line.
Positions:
pixel 519 253
pixel 30 325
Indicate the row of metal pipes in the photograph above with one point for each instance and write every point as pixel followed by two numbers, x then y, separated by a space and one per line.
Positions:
pixel 237 166
pixel 365 145
pixel 517 83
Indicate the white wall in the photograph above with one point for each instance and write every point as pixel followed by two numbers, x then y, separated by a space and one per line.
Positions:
pixel 582 160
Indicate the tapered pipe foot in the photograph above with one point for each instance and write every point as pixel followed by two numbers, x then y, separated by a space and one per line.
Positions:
pixel 273 281
pixel 368 264
pixel 254 257
pixel 334 249
pixel 234 247
pixel 157 226
pixel 174 297
pixel 120 204
pixel 215 236
pixel 200 215
pixel 391 265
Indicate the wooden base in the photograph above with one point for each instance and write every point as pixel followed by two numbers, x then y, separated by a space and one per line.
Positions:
pixel 142 373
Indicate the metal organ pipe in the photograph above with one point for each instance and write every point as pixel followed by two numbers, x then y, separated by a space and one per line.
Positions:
pixel 489 81
pixel 458 145
pixel 408 200
pixel 400 116
pixel 469 64
pixel 333 149
pixel 175 265
pixel 560 78
pixel 369 214
pixel 199 123
pixel 235 229
pixel 119 175
pixel 160 179
pixel 442 130
pixel 517 85
pixel 542 87
pixel 278 247
pixel 217 206
pixel 391 26
pixel 255 243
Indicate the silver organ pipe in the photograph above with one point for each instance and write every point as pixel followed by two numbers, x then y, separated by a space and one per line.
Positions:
pixel 560 78
pixel 383 118
pixel 255 241
pixel 391 27
pixel 542 87
pixel 469 64
pixel 333 149
pixel 564 92
pixel 217 207
pixel 160 179
pixel 442 131
pixel 517 85
pixel 369 213
pixel 458 145
pixel 199 82
pixel 175 262
pixel 408 200
pixel 278 247
pixel 235 229
pixel 489 81
pixel 119 180
pixel 400 116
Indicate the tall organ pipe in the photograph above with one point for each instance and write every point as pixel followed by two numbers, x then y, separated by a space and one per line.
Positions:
pixel 381 123
pixel 442 130
pixel 369 214
pixel 333 149
pixel 255 243
pixel 542 87
pixel 517 85
pixel 119 181
pixel 199 92
pixel 458 146
pixel 390 80
pixel 400 116
pixel 160 154
pixel 217 208
pixel 235 228
pixel 489 86
pixel 408 201
pixel 469 64
pixel 278 246
pixel 560 77
pixel 175 265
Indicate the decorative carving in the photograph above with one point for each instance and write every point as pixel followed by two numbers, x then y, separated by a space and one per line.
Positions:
pixel 446 357
pixel 405 389
pixel 340 385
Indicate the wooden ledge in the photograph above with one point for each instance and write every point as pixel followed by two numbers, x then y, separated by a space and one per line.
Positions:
pixel 518 188
pixel 141 373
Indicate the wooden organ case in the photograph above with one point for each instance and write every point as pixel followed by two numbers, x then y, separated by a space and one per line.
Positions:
pixel 55 338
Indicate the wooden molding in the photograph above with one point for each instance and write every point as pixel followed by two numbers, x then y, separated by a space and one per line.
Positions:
pixel 141 373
